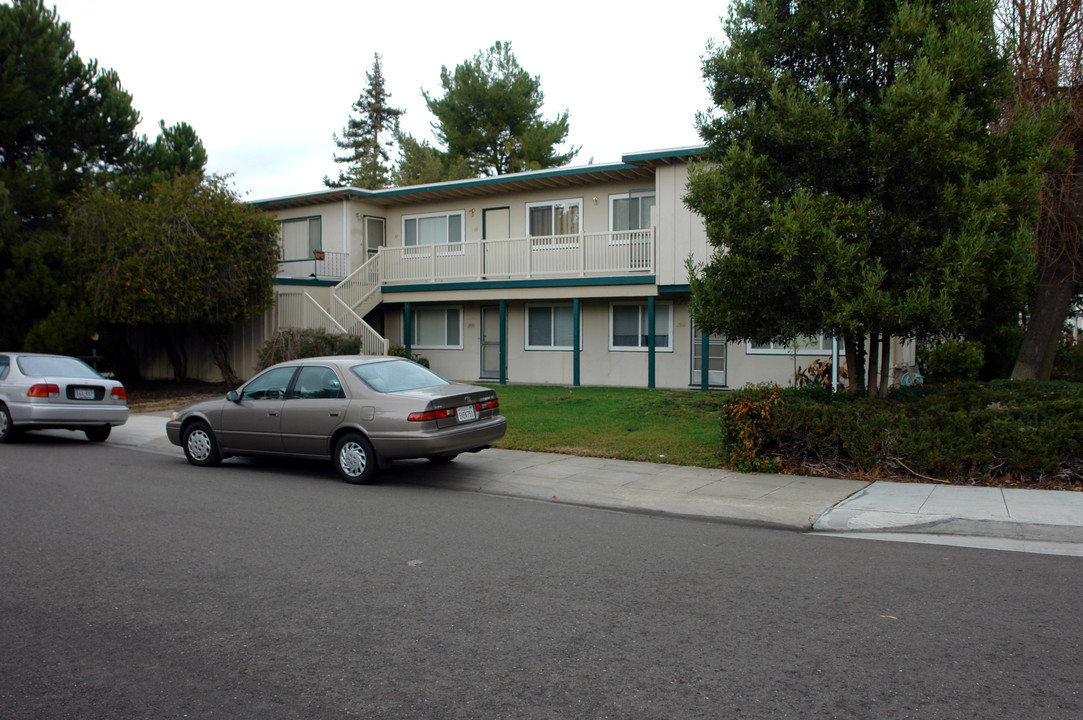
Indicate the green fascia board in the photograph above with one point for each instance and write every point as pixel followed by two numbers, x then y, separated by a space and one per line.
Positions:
pixel 512 284
pixel 643 157
pixel 310 282
pixel 503 179
pixel 674 289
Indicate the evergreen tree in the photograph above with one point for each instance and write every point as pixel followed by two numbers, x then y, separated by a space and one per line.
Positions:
pixel 420 163
pixel 490 114
pixel 367 136
pixel 853 185
pixel 63 123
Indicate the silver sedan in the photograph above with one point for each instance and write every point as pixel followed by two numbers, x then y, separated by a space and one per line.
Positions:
pixel 40 392
pixel 359 411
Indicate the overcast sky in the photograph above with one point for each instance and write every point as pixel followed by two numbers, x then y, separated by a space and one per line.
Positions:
pixel 265 84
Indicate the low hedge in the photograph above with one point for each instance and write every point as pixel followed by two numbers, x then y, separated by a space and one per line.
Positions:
pixel 1009 433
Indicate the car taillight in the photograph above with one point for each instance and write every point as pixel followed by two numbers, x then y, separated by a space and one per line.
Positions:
pixel 431 415
pixel 487 405
pixel 119 393
pixel 41 390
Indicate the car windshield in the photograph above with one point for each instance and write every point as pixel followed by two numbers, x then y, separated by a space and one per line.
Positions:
pixel 397 376
pixel 46 366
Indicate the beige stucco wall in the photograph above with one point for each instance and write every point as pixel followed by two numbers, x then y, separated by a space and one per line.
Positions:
pixel 681 232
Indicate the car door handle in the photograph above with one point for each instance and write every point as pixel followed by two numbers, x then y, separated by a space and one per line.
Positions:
pixel 334 414
pixel 272 413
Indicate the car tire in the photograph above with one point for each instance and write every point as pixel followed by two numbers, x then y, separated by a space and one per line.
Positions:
pixel 200 445
pixel 355 460
pixel 441 459
pixel 7 428
pixel 98 434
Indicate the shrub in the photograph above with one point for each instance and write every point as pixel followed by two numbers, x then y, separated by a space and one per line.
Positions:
pixel 1068 364
pixel 746 416
pixel 400 351
pixel 293 343
pixel 954 361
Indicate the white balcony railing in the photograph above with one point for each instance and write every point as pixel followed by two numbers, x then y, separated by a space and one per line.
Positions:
pixel 586 255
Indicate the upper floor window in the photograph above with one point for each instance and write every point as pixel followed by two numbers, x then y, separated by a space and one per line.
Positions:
pixel 631 210
pixel 432 228
pixel 554 217
pixel 817 345
pixel 299 238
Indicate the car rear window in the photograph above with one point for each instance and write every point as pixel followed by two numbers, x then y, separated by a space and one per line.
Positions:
pixel 44 366
pixel 397 376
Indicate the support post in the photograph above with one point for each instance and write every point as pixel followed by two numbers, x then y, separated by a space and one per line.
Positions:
pixel 704 359
pixel 575 342
pixel 503 342
pixel 407 329
pixel 650 342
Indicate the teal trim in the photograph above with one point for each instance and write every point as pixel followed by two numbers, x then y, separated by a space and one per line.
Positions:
pixel 503 342
pixel 575 342
pixel 511 284
pixel 674 289
pixel 650 341
pixel 503 179
pixel 407 329
pixel 670 154
pixel 305 281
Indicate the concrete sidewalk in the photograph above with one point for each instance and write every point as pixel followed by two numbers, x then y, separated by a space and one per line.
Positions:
pixel 1044 521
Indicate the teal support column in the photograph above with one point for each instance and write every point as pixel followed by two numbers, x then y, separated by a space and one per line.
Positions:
pixel 503 342
pixel 650 342
pixel 575 342
pixel 407 329
pixel 704 359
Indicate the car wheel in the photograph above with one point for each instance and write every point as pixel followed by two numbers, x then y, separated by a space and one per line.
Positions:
pixel 200 446
pixel 7 429
pixel 443 458
pixel 98 434
pixel 355 460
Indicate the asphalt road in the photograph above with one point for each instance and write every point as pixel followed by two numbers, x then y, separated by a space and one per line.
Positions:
pixel 135 586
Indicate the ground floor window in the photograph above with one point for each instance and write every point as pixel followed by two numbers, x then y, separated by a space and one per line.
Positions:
pixel 549 327
pixel 816 345
pixel 436 328
pixel 628 326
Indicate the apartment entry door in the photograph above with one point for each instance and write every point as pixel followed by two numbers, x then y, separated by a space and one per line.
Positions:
pixel 490 342
pixel 496 225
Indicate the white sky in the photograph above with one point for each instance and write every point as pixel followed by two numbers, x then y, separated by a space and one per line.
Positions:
pixel 265 84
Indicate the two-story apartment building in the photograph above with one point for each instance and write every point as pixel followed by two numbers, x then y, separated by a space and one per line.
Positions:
pixel 574 275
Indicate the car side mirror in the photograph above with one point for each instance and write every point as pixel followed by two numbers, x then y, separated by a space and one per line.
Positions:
pixel 232 396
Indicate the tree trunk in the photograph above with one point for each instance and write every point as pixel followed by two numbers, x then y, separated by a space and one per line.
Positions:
pixel 217 344
pixel 178 358
pixel 871 385
pixel 125 366
pixel 855 364
pixel 1056 288
pixel 885 363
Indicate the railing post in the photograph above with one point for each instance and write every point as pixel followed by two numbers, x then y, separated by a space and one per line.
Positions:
pixel 582 255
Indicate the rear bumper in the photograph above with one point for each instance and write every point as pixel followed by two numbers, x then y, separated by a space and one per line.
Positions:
pixel 56 415
pixel 441 442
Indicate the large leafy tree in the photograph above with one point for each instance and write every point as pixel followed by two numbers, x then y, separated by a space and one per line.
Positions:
pixel 367 136
pixel 184 254
pixel 852 184
pixel 420 163
pixel 63 124
pixel 1044 39
pixel 490 114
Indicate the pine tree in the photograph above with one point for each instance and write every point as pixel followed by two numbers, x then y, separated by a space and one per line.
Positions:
pixel 853 184
pixel 490 114
pixel 367 136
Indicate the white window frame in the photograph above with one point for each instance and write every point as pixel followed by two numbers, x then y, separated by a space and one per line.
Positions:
pixel 567 242
pixel 628 196
pixel 449 247
pixel 659 306
pixel 822 347
pixel 414 314
pixel 312 247
pixel 551 306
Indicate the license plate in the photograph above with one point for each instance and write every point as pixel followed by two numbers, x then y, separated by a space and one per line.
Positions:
pixel 84 394
pixel 466 413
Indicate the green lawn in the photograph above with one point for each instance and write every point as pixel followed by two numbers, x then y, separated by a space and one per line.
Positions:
pixel 663 426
